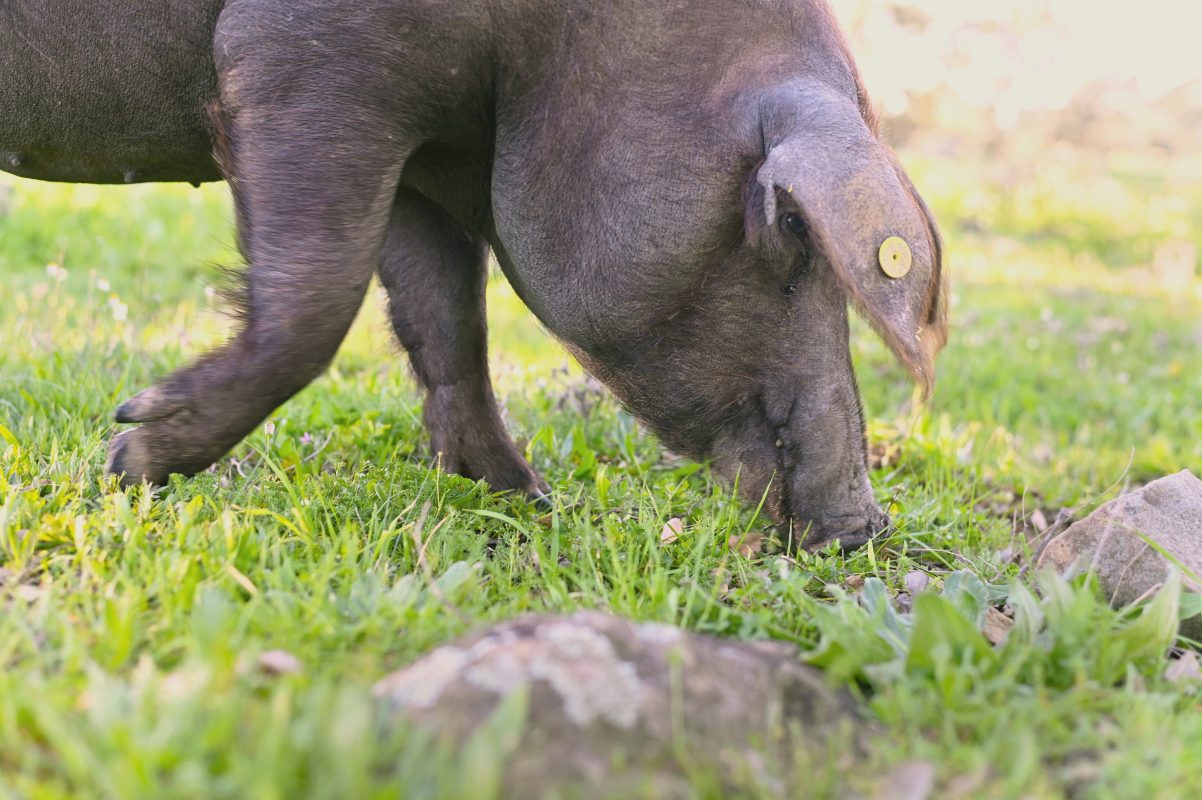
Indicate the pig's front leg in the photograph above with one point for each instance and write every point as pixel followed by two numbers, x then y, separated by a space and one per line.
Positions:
pixel 312 210
pixel 435 274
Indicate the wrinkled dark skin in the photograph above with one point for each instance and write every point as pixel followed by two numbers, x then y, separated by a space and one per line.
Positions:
pixel 687 194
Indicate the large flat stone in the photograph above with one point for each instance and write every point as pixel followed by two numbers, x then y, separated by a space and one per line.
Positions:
pixel 1125 542
pixel 616 708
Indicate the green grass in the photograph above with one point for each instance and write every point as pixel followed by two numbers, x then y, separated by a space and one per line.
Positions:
pixel 131 624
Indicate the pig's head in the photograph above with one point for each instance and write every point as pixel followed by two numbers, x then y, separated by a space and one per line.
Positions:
pixel 713 251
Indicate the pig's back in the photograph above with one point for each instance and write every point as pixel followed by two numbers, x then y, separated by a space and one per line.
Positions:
pixel 107 91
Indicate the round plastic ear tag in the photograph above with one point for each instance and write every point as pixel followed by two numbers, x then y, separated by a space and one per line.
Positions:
pixel 895 257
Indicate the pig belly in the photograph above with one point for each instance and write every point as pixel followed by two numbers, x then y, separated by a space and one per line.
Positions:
pixel 107 91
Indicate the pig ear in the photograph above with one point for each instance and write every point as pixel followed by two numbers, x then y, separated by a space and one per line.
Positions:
pixel 865 216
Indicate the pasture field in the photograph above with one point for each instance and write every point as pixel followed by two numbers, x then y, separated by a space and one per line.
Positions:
pixel 132 623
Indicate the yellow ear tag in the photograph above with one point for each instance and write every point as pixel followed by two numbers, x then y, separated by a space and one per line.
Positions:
pixel 895 257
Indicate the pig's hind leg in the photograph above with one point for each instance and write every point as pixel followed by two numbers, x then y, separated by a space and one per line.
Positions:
pixel 435 273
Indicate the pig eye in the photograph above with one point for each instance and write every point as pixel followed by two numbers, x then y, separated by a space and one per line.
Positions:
pixel 793 224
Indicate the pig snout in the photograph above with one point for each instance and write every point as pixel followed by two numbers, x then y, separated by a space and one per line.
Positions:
pixel 820 508
pixel 822 468
pixel 851 532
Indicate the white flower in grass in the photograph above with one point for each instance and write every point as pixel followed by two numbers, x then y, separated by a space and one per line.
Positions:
pixel 119 309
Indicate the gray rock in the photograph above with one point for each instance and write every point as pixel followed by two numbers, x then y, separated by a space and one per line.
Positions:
pixel 618 709
pixel 1122 541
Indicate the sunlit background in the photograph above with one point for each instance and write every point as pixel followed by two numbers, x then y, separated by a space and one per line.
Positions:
pixel 1078 114
pixel 969 76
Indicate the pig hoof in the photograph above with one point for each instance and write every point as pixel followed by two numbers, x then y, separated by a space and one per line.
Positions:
pixel 534 490
pixel 504 474
pixel 148 406
pixel 151 453
pixel 128 460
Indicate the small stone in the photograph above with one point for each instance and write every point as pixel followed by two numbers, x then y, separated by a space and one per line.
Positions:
pixel 1039 522
pixel 279 662
pixel 1184 670
pixel 601 691
pixel 1125 541
pixel 28 592
pixel 910 780
pixel 917 583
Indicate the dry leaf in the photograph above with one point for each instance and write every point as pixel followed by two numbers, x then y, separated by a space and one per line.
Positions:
pixel 747 545
pixel 997 626
pixel 1184 670
pixel 673 528
pixel 854 582
pixel 719 574
pixel 279 662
